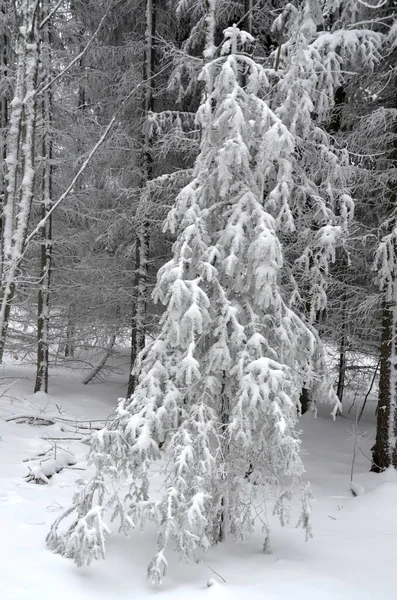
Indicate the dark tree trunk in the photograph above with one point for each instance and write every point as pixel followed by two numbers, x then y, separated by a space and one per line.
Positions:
pixel 70 334
pixel 138 328
pixel 384 452
pixel 247 23
pixel 43 304
pixel 305 400
pixel 341 368
pixel 381 458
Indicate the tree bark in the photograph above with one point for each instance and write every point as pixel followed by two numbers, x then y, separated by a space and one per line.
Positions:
pixel 19 161
pixel 3 126
pixel 343 346
pixel 247 23
pixel 99 366
pixel 341 369
pixel 138 329
pixel 43 303
pixel 381 451
pixel 224 418
pixel 384 452
pixel 70 333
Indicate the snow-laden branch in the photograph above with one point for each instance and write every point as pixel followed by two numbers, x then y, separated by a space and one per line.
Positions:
pixel 372 6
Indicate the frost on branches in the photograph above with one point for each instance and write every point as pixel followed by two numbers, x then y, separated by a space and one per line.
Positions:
pixel 310 68
pixel 218 391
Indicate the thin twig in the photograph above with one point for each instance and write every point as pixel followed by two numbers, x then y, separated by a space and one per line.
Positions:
pixel 369 391
pixel 213 570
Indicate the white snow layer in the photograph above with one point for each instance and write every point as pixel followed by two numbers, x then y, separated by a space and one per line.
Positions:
pixel 353 554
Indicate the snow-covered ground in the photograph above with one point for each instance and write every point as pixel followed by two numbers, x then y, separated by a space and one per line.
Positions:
pixel 353 555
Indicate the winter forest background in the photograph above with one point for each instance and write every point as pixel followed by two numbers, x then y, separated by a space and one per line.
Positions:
pixel 198 215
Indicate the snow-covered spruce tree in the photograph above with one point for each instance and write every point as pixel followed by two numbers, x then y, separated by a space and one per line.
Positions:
pixel 219 387
pixel 308 69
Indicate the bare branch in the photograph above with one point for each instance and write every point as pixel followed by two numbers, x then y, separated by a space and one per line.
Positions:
pixel 51 14
pixel 76 59
pixel 87 160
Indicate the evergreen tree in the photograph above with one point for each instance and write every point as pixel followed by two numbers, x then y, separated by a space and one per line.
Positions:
pixel 219 387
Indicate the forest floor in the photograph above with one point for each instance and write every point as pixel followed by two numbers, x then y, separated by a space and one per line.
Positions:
pixel 352 556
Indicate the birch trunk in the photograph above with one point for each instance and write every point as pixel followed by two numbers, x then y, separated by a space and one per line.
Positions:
pixel 19 161
pixel 3 124
pixel 43 303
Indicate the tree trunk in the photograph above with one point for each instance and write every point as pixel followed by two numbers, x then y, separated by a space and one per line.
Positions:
pixel 342 367
pixel 3 126
pixel 99 366
pixel 139 309
pixel 384 449
pixel 224 421
pixel 19 161
pixel 343 346
pixel 384 452
pixel 247 23
pixel 305 400
pixel 70 332
pixel 43 303
pixel 143 236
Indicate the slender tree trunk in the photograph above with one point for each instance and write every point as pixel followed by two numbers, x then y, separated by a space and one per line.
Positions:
pixel 247 24
pixel 3 126
pixel 384 448
pixel 70 333
pixel 138 329
pixel 102 362
pixel 19 161
pixel 224 420
pixel 384 452
pixel 343 346
pixel 342 366
pixel 43 304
